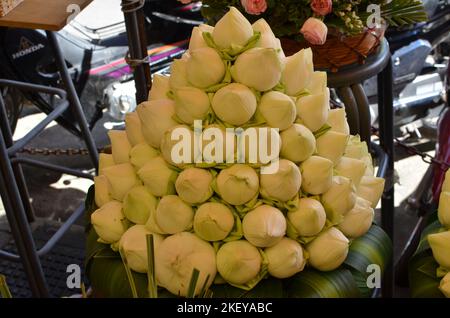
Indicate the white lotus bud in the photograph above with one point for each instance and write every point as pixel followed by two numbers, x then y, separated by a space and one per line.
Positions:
pixel 238 262
pixel 120 146
pixel 178 74
pixel 178 146
pixel 313 110
pixel 238 184
pixel 206 28
pixel 173 215
pixel 332 145
pixel 318 83
pixel 353 169
pixel 356 148
pixel 133 129
pixel 176 258
pixel 267 39
pixel 444 286
pixel 102 191
pixel 264 226
pixel 213 221
pixel 317 175
pixel 218 144
pixel 234 104
pixel 122 178
pixel 446 184
pixel 282 185
pixel 297 143
pixel 191 104
pixel 109 222
pixel 309 218
pixel 339 199
pixel 160 87
pixel 247 69
pixel 444 209
pixel 205 68
pixel 371 189
pixel 328 251
pixel 158 177
pixel 232 30
pixel 196 40
pixel 358 221
pixel 285 258
pixel 141 154
pixel 138 204
pixel 440 245
pixel 278 110
pixel 337 120
pixel 260 146
pixel 104 161
pixel 298 71
pixel 134 246
pixel 281 53
pixel 156 117
pixel 194 185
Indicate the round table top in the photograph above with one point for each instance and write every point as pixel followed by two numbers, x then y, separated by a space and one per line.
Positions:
pixel 357 73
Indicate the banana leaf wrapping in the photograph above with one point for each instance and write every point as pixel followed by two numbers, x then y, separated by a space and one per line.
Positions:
pixel 107 275
pixel 423 281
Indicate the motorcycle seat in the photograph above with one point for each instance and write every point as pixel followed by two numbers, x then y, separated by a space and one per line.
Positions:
pixel 95 27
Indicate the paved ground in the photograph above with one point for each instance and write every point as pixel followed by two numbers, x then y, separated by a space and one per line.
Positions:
pixel 54 195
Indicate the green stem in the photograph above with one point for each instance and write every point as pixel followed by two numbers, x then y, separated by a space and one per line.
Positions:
pixel 151 273
pixel 129 274
pixel 193 283
pixel 4 290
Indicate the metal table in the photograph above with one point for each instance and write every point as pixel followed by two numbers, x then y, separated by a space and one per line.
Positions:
pixel 50 16
pixel 348 84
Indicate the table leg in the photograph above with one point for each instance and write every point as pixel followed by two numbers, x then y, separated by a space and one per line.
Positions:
pixel 17 219
pixel 364 113
pixel 73 98
pixel 386 120
pixel 20 178
pixel 137 41
pixel 351 108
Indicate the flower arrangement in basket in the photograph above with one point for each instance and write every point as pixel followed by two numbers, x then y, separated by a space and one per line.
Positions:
pixel 340 32
pixel 240 172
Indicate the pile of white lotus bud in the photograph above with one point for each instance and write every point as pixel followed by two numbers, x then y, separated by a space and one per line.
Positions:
pixel 232 223
pixel 440 242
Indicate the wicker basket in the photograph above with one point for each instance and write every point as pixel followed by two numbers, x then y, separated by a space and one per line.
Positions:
pixel 339 50
pixel 7 5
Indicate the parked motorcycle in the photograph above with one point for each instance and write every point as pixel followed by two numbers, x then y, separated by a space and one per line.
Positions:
pixel 94 47
pixel 420 56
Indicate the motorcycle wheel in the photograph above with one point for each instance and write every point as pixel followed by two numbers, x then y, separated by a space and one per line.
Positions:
pixel 13 103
